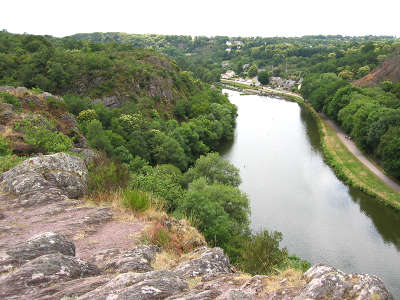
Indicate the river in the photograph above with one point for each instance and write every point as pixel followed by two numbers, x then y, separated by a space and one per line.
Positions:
pixel 292 190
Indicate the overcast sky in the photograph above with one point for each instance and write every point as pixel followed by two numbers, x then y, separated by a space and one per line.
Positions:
pixel 203 17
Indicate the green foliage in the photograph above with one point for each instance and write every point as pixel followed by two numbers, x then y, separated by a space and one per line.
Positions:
pixel 389 151
pixel 87 115
pixel 161 182
pixel 253 70
pixel 10 99
pixel 42 135
pixel 97 137
pixel 4 149
pixel 214 169
pixel 136 200
pixel 76 104
pixel 263 77
pixel 261 253
pixel 9 161
pixel 105 175
pixel 368 115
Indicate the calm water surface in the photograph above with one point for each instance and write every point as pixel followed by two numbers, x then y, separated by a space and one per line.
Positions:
pixel 292 190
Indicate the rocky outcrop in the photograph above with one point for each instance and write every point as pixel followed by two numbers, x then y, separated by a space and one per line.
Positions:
pixel 41 244
pixel 53 247
pixel 207 262
pixel 139 259
pixel 36 179
pixel 325 282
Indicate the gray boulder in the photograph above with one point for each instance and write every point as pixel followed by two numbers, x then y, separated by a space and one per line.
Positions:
pixel 41 272
pixel 325 282
pixel 41 244
pixel 139 286
pixel 208 262
pixel 6 113
pixel 139 259
pixel 58 174
pixel 87 154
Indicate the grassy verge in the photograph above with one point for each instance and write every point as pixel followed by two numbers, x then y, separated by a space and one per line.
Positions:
pixel 348 168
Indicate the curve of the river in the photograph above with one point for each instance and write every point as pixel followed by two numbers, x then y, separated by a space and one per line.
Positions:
pixel 292 190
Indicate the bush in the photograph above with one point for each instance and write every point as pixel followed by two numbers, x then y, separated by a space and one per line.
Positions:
pixel 56 104
pixel 4 149
pixel 136 200
pixel 162 237
pixel 10 161
pixel 87 115
pixel 10 99
pixel 261 253
pixel 105 175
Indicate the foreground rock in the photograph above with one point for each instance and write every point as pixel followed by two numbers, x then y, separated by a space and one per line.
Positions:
pixel 59 174
pixel 42 244
pixel 54 247
pixel 43 271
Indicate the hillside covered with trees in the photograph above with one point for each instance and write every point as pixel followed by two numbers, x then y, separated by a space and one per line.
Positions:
pixel 208 57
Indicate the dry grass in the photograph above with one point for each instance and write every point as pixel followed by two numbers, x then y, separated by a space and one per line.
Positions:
pixel 287 278
pixel 192 282
pixel 165 260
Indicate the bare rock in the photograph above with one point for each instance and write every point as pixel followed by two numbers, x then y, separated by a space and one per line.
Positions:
pixel 238 295
pixel 59 174
pixel 139 286
pixel 72 289
pixel 87 154
pixel 111 101
pixel 208 262
pixel 41 272
pixel 196 295
pixel 41 244
pixel 6 113
pixel 139 259
pixel 21 91
pixel 325 282
pixel 254 285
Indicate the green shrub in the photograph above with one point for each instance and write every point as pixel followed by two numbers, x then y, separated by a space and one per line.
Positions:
pixel 55 104
pixel 10 99
pixel 261 253
pixel 87 115
pixel 4 149
pixel 105 175
pixel 136 200
pixel 36 90
pixel 41 133
pixel 76 104
pixel 46 140
pixel 10 161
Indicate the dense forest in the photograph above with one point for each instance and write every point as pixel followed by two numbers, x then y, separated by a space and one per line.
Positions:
pixel 208 57
pixel 371 116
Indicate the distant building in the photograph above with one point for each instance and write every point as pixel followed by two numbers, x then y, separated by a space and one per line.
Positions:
pixel 225 63
pixel 282 83
pixel 245 67
pixel 228 74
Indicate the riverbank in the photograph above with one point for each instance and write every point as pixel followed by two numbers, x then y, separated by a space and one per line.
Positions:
pixel 346 165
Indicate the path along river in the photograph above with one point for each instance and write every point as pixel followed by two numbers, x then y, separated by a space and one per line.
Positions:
pixel 292 190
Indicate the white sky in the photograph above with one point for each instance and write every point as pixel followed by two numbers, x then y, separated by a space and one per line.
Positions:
pixel 203 17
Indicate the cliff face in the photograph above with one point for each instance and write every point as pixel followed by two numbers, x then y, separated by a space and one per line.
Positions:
pixel 388 70
pixel 54 246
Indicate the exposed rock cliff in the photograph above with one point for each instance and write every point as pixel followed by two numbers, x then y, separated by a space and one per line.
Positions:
pixel 53 247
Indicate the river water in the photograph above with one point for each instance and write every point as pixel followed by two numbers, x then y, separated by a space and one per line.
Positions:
pixel 292 190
